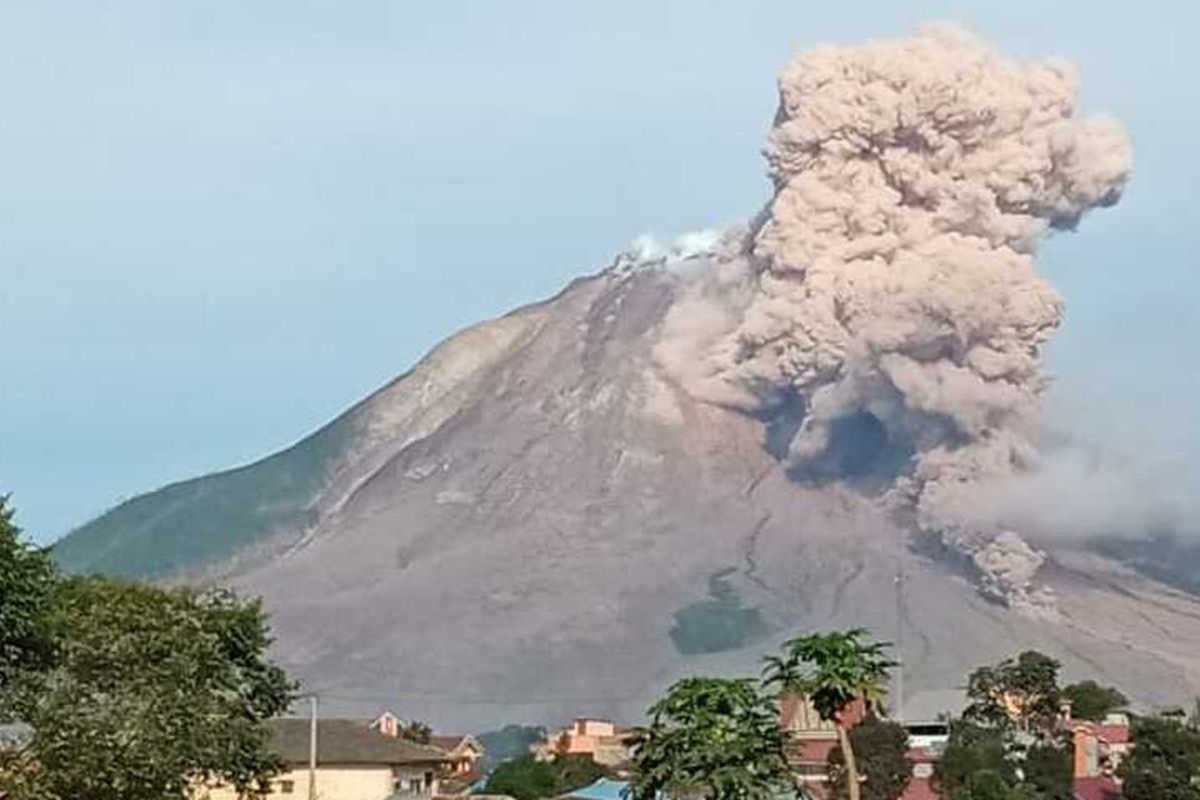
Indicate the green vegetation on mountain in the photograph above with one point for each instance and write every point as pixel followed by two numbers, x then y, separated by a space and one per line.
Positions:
pixel 189 524
pixel 719 623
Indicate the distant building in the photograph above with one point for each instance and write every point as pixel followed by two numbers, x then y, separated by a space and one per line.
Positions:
pixel 355 761
pixel 1099 748
pixel 464 758
pixel 808 741
pixel 464 754
pixel 606 743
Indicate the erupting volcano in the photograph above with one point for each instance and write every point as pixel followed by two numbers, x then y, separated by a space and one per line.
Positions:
pixel 715 443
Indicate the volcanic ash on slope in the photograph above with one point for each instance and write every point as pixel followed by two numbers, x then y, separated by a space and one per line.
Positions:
pixel 893 283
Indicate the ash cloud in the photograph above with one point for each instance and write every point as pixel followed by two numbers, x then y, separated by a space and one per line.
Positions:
pixel 892 277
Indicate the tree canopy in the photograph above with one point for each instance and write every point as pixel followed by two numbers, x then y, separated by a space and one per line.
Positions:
pixel 1021 692
pixel 26 641
pixel 527 778
pixel 1008 743
pixel 833 670
pixel 882 748
pixel 153 689
pixel 973 750
pixel 1090 700
pixel 711 738
pixel 131 691
pixel 1164 763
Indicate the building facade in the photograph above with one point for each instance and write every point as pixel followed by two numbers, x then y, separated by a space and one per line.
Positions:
pixel 354 762
pixel 605 742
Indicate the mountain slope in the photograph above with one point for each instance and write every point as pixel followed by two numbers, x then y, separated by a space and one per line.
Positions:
pixel 536 521
pixel 187 526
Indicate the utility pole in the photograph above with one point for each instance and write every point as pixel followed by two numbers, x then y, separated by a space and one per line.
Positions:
pixel 312 744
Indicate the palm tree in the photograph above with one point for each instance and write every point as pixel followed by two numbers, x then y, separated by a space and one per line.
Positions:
pixel 832 670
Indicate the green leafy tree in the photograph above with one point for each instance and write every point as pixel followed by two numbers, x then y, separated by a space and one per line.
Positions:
pixel 989 784
pixel 527 778
pixel 832 670
pixel 1090 700
pixel 882 749
pixel 573 770
pixel 1046 771
pixel 523 778
pixel 1164 763
pixel 973 750
pixel 27 578
pixel 152 690
pixel 416 731
pixel 711 738
pixel 1021 693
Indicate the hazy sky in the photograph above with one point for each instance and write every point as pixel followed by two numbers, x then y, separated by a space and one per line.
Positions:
pixel 221 223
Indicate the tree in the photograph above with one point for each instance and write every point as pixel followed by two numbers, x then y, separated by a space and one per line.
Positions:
pixel 27 577
pixel 1046 771
pixel 973 750
pixel 832 670
pixel 152 690
pixel 711 738
pixel 524 778
pixel 527 778
pixel 1021 692
pixel 882 748
pixel 1164 763
pixel 989 784
pixel 416 731
pixel 574 770
pixel 1090 700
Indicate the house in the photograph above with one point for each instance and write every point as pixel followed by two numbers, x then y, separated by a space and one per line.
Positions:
pixel 808 741
pixel 464 761
pixel 1099 748
pixel 463 754
pixel 606 743
pixel 354 762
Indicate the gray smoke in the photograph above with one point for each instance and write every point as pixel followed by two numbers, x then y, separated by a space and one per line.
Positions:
pixel 891 282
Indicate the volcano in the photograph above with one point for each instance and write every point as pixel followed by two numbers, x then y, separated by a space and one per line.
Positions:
pixel 555 513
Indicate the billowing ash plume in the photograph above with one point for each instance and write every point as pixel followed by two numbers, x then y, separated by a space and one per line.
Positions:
pixel 892 282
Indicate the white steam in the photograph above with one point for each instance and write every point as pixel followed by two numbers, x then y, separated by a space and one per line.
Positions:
pixel 648 247
pixel 893 272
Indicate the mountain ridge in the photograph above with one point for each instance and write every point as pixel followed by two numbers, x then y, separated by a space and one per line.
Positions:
pixel 564 529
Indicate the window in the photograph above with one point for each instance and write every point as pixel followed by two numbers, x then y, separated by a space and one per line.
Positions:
pixel 286 787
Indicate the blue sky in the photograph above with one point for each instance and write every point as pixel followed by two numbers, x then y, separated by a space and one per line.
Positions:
pixel 221 223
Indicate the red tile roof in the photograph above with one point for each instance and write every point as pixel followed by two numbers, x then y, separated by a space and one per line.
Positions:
pixel 1113 733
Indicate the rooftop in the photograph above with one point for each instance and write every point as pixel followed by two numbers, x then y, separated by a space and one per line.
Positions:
pixel 602 789
pixel 346 741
